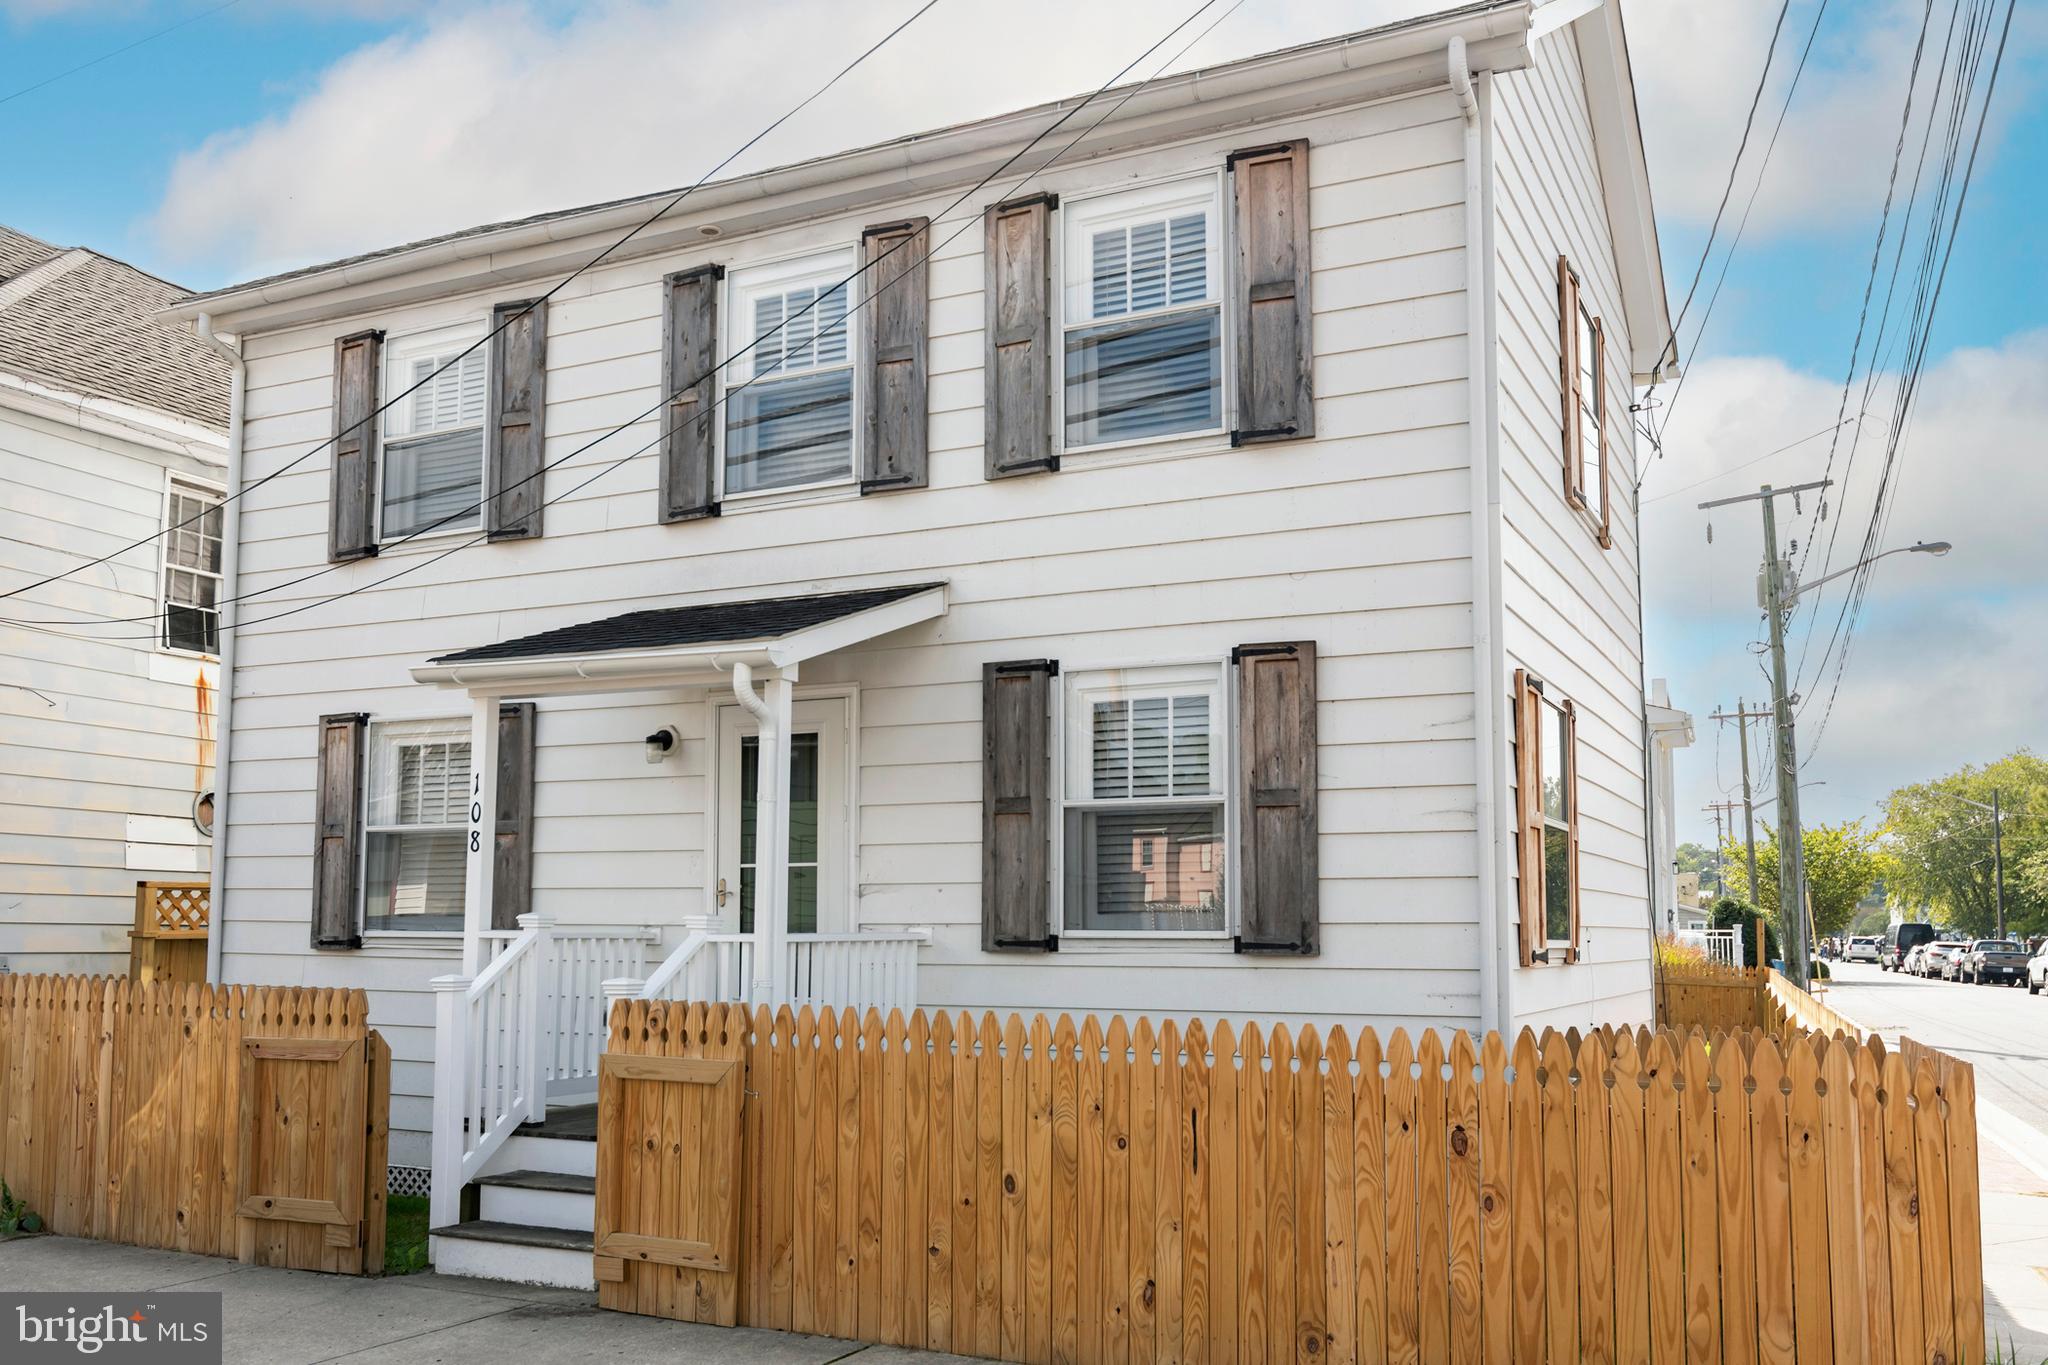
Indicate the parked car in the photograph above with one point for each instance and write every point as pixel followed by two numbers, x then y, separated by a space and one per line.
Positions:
pixel 1902 939
pixel 1944 957
pixel 1864 948
pixel 1997 960
pixel 1916 961
pixel 2037 969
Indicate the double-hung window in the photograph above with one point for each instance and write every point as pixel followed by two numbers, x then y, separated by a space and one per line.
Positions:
pixel 1547 800
pixel 416 797
pixel 1143 801
pixel 789 383
pixel 433 455
pixel 1581 341
pixel 1142 283
pixel 191 581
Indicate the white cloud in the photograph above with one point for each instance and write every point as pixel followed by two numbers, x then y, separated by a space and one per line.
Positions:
pixel 1696 66
pixel 1946 649
pixel 493 113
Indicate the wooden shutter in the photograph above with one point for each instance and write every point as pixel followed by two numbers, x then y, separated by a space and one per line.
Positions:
pixel 1277 868
pixel 515 431
pixel 894 366
pixel 1275 391
pixel 512 875
pixel 1529 816
pixel 689 359
pixel 352 493
pixel 1568 374
pixel 1016 806
pixel 1571 815
pixel 337 833
pixel 1016 401
pixel 1600 413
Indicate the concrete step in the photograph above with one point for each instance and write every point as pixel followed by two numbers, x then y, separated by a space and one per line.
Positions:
pixel 519 1252
pixel 548 1199
pixel 561 1156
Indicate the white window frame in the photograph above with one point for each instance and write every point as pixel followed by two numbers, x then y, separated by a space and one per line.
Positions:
pixel 1592 496
pixel 1556 720
pixel 1072 754
pixel 735 319
pixel 1076 214
pixel 173 484
pixel 457 728
pixel 395 378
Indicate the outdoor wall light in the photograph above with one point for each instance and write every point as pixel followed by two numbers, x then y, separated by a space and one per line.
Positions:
pixel 662 743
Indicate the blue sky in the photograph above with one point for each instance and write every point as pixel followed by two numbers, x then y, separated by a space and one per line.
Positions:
pixel 276 132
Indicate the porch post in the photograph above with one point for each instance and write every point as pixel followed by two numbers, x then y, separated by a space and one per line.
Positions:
pixel 771 847
pixel 482 847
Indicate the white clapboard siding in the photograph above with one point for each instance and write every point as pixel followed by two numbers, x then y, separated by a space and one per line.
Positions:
pixel 1359 540
pixel 105 740
pixel 1572 611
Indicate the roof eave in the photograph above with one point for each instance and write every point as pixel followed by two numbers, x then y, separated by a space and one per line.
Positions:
pixel 1350 69
pixel 1625 173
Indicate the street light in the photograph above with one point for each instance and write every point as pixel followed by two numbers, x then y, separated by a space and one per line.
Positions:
pixel 1778 595
pixel 1997 849
pixel 1936 548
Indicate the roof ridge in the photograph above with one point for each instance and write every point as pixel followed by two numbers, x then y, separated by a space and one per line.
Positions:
pixel 36 277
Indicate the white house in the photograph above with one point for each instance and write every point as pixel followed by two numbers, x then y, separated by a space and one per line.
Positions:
pixel 113 428
pixel 1197 577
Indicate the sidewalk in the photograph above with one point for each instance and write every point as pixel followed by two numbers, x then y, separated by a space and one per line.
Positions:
pixel 293 1317
pixel 2012 1166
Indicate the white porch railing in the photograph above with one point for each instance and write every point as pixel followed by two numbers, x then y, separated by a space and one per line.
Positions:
pixel 876 970
pixel 1722 945
pixel 528 1027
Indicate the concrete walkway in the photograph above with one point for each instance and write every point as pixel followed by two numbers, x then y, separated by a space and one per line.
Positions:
pixel 293 1317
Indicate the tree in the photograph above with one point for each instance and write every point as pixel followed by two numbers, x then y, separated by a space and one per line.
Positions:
pixel 1759 936
pixel 1940 846
pixel 1874 919
pixel 1842 863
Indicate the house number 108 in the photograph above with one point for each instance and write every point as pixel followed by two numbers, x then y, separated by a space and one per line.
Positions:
pixel 476 813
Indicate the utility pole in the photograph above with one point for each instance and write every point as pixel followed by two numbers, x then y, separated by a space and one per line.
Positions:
pixel 1778 595
pixel 1742 717
pixel 1998 859
pixel 1720 810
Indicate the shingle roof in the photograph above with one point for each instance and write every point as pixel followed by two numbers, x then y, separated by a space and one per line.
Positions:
pixel 81 321
pixel 705 624
pixel 20 252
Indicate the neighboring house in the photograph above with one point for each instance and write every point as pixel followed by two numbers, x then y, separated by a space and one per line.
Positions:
pixel 112 427
pixel 1670 730
pixel 1137 609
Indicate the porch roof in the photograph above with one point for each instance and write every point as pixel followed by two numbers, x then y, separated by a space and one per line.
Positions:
pixel 685 643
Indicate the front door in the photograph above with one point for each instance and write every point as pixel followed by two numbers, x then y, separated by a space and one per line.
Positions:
pixel 818 825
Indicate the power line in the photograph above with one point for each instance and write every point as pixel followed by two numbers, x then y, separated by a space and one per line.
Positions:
pixel 588 265
pixel 719 402
pixel 1909 384
pixel 1736 469
pixel 126 47
pixel 1748 207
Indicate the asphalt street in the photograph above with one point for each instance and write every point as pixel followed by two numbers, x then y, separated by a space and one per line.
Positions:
pixel 2000 1030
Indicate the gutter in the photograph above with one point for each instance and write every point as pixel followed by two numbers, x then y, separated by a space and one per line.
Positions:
pixel 223 721
pixel 1482 425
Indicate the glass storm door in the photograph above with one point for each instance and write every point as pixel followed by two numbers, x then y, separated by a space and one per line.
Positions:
pixel 818 833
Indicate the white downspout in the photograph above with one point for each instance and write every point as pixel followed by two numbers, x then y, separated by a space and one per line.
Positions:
pixel 224 694
pixel 771 859
pixel 1490 770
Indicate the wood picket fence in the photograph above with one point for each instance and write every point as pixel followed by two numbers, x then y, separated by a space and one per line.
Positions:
pixel 1044 1191
pixel 241 1121
pixel 1711 995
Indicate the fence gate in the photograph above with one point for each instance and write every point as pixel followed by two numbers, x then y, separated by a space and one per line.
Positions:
pixel 668 1167
pixel 304 1113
